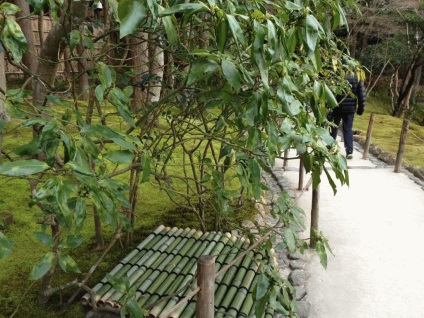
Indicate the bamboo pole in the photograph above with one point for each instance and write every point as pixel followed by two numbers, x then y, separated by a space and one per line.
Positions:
pixel 314 215
pixel 402 143
pixel 301 174
pixel 206 282
pixel 368 140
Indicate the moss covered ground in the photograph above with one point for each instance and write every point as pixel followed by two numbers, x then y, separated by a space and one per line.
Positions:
pixel 387 130
pixel 18 294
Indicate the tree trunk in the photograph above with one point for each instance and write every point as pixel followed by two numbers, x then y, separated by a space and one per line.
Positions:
pixel 402 103
pixel 83 85
pixel 157 73
pixel 139 60
pixel 44 295
pixel 48 62
pixel 3 114
pixel 28 58
pixel 394 93
pixel 100 242
pixel 416 84
pixel 41 29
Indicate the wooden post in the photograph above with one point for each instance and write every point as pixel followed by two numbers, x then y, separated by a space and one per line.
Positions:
pixel 206 282
pixel 402 143
pixel 368 140
pixel 301 168
pixel 286 155
pixel 314 216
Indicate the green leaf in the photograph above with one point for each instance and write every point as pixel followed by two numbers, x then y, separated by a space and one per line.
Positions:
pixel 63 194
pixel 80 212
pixel 260 307
pixel 42 266
pixel 312 27
pixel 253 109
pixel 121 102
pixel 134 309
pixel 293 6
pixel 171 32
pixel 67 263
pixel 8 8
pixel 184 8
pixel 119 156
pixel 13 39
pixel 80 163
pixel 44 238
pixel 90 147
pixel 121 285
pixel 262 287
pixel 231 74
pixel 272 38
pixel 324 134
pixel 23 167
pixel 131 14
pixel 74 39
pixel 258 53
pixel 320 248
pixel 331 181
pixel 153 7
pixel 5 246
pixel 236 30
pixel 329 97
pixel 69 146
pixel 318 89
pixel 29 149
pixel 2 121
pixel 38 5
pixel 289 239
pixel 100 131
pixel 71 241
pixel 106 75
pixel 272 137
pixel 145 162
pixel 201 69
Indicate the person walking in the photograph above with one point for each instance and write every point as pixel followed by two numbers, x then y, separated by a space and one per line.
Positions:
pixel 349 104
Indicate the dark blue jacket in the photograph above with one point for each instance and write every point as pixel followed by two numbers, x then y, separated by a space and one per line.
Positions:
pixel 349 103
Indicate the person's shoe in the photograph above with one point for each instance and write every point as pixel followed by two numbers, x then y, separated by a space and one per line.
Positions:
pixel 349 156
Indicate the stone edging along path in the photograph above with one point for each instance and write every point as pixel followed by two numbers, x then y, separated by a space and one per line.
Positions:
pixel 291 265
pixel 416 173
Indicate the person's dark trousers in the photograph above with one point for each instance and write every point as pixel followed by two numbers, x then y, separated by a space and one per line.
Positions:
pixel 347 119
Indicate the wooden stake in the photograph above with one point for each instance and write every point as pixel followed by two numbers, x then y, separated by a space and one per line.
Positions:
pixel 402 143
pixel 301 168
pixel 314 216
pixel 206 282
pixel 368 140
pixel 286 155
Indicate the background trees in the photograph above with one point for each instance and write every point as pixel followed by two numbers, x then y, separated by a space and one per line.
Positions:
pixel 388 39
pixel 195 98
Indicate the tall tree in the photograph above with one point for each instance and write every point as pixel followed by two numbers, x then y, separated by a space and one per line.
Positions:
pixel 27 28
